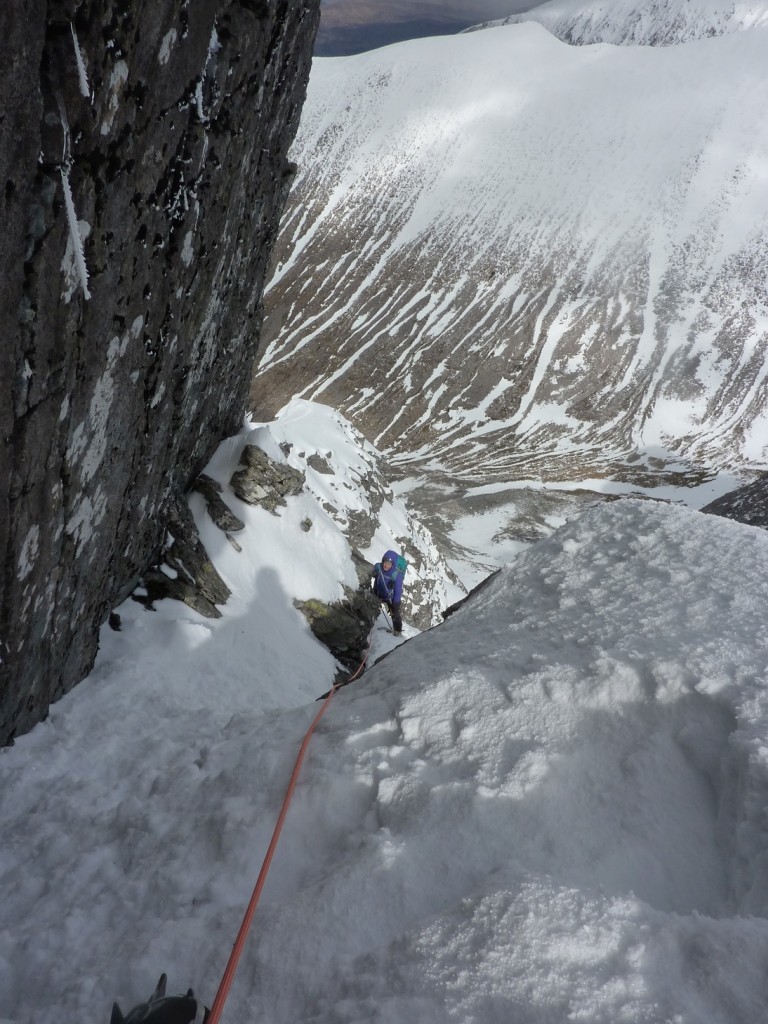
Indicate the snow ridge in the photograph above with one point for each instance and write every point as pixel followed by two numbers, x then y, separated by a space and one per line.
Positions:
pixel 642 22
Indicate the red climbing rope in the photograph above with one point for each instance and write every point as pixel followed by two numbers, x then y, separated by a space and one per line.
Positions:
pixel 237 949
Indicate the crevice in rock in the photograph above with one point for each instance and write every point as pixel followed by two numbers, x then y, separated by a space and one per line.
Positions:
pixel 196 581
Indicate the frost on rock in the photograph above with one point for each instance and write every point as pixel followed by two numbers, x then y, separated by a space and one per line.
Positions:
pixel 74 252
pixel 213 48
pixel 82 74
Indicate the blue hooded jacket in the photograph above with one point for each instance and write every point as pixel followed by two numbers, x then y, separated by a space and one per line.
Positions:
pixel 388 583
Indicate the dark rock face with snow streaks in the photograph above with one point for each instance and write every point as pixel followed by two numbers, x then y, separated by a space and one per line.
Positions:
pixel 143 160
pixel 747 504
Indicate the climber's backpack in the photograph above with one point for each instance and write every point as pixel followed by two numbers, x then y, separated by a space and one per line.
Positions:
pixel 402 565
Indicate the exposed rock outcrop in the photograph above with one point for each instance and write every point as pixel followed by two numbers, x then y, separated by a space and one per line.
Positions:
pixel 185 572
pixel 221 514
pixel 747 504
pixel 263 481
pixel 143 169
pixel 344 626
pixel 421 594
pixel 472 594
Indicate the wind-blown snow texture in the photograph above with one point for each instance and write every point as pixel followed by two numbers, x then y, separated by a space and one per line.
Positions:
pixel 549 808
pixel 507 256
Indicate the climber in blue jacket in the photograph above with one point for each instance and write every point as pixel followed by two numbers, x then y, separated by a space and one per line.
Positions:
pixel 387 585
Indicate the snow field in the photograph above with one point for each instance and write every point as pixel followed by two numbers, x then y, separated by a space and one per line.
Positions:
pixel 549 808
pixel 553 777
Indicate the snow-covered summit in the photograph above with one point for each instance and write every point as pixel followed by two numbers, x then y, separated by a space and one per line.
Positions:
pixel 642 22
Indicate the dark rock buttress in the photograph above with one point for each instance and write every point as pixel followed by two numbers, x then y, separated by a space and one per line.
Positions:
pixel 143 170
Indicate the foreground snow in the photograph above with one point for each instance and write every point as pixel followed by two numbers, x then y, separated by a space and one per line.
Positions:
pixel 549 808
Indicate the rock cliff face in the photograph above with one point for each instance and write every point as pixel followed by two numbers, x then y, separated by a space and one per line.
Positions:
pixel 143 161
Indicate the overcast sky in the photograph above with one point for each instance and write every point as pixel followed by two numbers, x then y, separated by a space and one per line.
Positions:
pixel 458 8
pixel 351 26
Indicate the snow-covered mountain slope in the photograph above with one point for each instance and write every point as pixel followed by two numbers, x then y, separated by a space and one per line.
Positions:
pixel 643 22
pixel 261 650
pixel 508 257
pixel 346 481
pixel 550 808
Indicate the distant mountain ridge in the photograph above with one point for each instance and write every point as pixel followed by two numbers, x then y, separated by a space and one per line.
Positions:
pixel 507 257
pixel 642 22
